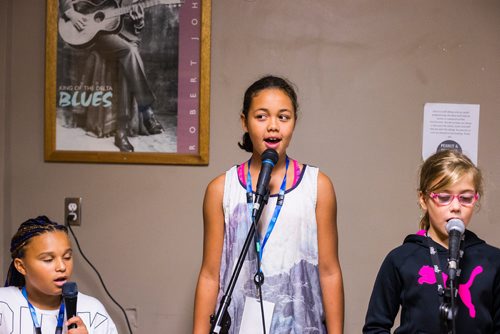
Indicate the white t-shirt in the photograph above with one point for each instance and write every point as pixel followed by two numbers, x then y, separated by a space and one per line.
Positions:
pixel 15 316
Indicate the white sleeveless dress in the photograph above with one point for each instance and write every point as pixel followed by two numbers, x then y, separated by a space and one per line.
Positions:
pixel 290 257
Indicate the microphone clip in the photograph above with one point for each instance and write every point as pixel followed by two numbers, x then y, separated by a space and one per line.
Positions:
pixel 258 206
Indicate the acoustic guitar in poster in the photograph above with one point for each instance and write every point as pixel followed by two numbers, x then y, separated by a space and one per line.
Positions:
pixel 102 17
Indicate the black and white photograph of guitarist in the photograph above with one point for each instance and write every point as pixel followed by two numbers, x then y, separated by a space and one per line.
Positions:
pixel 116 42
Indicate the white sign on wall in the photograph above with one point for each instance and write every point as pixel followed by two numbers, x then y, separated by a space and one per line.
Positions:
pixel 451 126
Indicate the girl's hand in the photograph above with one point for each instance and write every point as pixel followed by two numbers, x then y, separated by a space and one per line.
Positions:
pixel 80 326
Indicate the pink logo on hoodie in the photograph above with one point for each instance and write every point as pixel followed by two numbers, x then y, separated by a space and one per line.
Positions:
pixel 427 276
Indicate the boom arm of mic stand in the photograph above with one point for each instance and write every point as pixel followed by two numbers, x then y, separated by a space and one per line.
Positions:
pixel 219 322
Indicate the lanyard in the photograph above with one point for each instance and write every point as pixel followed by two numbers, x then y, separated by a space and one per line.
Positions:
pixel 38 329
pixel 437 265
pixel 277 209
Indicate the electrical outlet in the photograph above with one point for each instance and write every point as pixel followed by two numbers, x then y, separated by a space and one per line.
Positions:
pixel 73 211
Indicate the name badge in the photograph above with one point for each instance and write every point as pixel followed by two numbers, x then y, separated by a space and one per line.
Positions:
pixel 251 322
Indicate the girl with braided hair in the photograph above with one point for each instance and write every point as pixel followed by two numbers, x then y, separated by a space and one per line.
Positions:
pixel 42 261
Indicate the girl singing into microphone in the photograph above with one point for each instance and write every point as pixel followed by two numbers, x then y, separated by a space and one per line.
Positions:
pixel 414 275
pixel 302 289
pixel 31 300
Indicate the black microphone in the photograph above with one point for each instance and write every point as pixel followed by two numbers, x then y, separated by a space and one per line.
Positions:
pixel 70 294
pixel 455 228
pixel 269 159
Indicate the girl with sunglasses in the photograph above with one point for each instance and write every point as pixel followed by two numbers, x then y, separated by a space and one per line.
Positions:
pixel 414 276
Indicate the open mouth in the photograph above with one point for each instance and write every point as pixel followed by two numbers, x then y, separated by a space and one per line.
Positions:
pixel 272 140
pixel 60 280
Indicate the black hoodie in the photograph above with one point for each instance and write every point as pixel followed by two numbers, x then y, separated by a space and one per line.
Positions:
pixel 407 279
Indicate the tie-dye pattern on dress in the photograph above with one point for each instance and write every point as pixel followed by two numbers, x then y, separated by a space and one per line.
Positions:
pixel 290 257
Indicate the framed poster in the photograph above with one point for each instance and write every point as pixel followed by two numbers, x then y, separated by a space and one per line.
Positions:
pixel 127 81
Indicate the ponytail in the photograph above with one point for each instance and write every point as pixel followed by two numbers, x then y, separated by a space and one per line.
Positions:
pixel 246 143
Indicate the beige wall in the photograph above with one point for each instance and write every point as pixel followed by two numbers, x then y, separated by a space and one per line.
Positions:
pixel 4 42
pixel 364 70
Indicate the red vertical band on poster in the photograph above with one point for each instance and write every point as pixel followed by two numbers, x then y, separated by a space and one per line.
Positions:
pixel 188 103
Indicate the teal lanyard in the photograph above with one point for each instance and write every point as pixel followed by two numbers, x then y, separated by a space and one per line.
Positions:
pixel 279 204
pixel 38 329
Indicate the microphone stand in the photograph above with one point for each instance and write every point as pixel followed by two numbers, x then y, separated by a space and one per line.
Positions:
pixel 453 291
pixel 448 309
pixel 221 322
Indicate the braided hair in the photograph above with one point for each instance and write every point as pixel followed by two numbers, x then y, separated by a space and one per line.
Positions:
pixel 29 229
